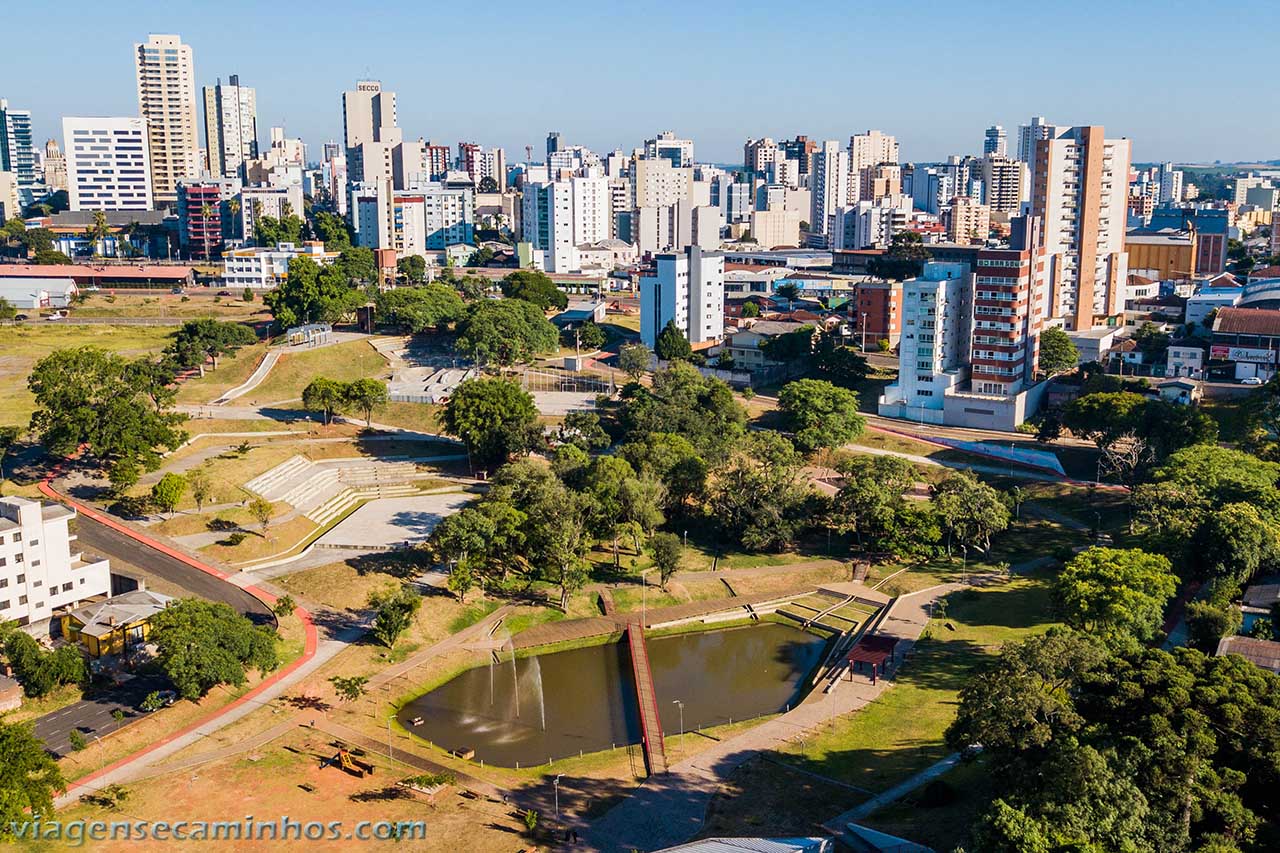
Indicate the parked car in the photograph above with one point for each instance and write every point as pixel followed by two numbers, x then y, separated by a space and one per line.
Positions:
pixel 224 292
pixel 20 317
pixel 1252 380
pixel 56 315
pixel 176 290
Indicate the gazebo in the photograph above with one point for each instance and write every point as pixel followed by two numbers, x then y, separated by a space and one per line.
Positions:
pixel 876 650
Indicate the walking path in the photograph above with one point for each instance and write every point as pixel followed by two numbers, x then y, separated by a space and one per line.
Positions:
pixel 897 792
pixel 269 359
pixel 670 808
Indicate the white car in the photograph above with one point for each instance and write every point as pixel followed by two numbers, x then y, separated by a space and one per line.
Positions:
pixel 1252 380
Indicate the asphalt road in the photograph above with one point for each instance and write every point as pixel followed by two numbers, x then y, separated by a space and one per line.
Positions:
pixel 92 716
pixel 102 540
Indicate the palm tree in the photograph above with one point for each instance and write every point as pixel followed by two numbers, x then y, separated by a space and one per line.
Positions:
pixel 207 213
pixel 97 232
pixel 788 291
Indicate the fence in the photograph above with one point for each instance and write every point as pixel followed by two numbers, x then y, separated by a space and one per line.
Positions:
pixel 537 380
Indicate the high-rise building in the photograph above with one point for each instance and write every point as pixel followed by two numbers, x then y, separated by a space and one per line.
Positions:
pixel 230 126
pixel 559 216
pixel 369 131
pixel 1079 186
pixel 55 166
pixel 968 221
pixel 429 217
pixel 1243 185
pixel 995 141
pixel 1170 183
pixel 39 573
pixel 665 146
pixel 801 149
pixel 167 102
pixel 688 288
pixel 553 143
pixel 108 166
pixel 200 219
pixel 759 154
pixel 10 206
pixel 866 152
pixel 1005 182
pixel 17 151
pixel 829 185
pixel 1030 134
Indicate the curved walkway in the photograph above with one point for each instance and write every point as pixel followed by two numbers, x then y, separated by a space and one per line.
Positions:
pixel 269 359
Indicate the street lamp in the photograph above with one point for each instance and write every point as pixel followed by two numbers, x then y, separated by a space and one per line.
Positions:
pixel 864 332
pixel 680 705
pixel 556 783
pixel 644 599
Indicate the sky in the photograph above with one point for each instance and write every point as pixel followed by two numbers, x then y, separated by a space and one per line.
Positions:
pixel 1186 81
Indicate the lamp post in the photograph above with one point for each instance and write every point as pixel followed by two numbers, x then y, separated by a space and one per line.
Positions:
pixel 680 705
pixel 644 600
pixel 864 332
pixel 556 784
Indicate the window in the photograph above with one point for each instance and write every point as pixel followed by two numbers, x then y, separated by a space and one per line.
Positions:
pixel 38 584
pixel 66 587
pixel 17 558
pixel 22 599
pixel 4 605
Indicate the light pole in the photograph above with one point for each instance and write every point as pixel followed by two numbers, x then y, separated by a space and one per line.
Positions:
pixel 556 783
pixel 680 705
pixel 864 332
pixel 644 600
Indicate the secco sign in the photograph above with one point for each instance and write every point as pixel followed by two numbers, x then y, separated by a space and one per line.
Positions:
pixel 1256 356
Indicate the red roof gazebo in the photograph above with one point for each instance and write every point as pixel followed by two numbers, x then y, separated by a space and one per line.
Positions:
pixel 873 649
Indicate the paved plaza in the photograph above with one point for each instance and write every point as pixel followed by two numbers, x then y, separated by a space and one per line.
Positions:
pixel 394 521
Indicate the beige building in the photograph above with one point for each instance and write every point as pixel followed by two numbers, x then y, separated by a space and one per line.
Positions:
pixel 369 115
pixel 1079 185
pixel 657 183
pixel 968 221
pixel 774 228
pixel 167 102
pixel 867 151
pixel 1006 182
pixel 55 166
pixel 9 204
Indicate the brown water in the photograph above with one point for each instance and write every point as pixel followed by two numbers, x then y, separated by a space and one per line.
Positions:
pixel 559 704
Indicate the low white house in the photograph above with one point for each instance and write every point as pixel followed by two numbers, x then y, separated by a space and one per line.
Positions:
pixel 265 267
pixel 31 294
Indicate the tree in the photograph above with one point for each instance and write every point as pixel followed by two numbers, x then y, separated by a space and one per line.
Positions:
pixel 168 491
pixel 493 417
pixel 201 485
pixel 790 347
pixel 394 609
pixel 328 396
pixel 666 555
pixel 284 606
pixel 350 688
pixel 413 268
pixel 682 401
pixel 840 365
pixel 1208 622
pixel 758 498
pixel 904 259
pixel 871 505
pixel 202 644
pixel 820 414
pixel 332 229
pixel 117 407
pixel 1114 591
pixel 674 461
pixel 535 288
pixel 1057 352
pixel 505 332
pixel 207 338
pixel 29 778
pixel 788 290
pixel 750 310
pixel 588 336
pixel 420 308
pixel 1151 341
pixel 8 437
pixel 971 512
pixel 312 294
pixel 41 672
pixel 634 360
pixel 7 311
pixel 366 396
pixel 1233 542
pixel 261 510
pixel 584 430
pixel 672 344
pixel 481 257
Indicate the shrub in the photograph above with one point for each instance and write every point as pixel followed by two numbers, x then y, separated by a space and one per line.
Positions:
pixel 234 539
pixel 77 740
pixel 222 524
pixel 1207 623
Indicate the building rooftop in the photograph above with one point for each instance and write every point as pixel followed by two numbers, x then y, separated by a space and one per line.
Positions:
pixel 103 617
pixel 1247 321
pixel 752 845
pixel 773 327
pixel 16 284
pixel 1263 653
pixel 1262 594
pixel 107 272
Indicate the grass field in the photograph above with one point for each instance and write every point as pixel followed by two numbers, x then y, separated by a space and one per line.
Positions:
pixel 230 373
pixel 292 373
pixel 22 345
pixel 168 305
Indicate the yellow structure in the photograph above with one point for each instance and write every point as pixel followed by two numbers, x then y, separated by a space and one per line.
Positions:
pixel 114 625
pixel 1170 254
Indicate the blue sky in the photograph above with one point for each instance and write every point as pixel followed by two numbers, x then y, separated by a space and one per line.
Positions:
pixel 1188 81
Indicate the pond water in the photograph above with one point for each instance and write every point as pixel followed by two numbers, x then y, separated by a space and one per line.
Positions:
pixel 583 700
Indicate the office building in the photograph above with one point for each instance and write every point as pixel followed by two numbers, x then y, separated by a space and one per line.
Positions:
pixel 1079 186
pixel 688 288
pixel 167 103
pixel 369 131
pixel 55 167
pixel 265 267
pixel 678 152
pixel 39 573
pixel 995 141
pixel 801 149
pixel 554 143
pixel 230 126
pixel 829 185
pixel 17 152
pixel 107 163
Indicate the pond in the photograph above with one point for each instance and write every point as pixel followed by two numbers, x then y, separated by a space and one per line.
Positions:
pixel 559 704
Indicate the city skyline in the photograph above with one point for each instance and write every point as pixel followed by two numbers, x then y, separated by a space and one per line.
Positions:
pixel 1057 66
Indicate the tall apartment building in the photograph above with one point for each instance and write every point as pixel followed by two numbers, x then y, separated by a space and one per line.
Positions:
pixel 866 152
pixel 1005 182
pixel 801 149
pixel 270 201
pixel 10 206
pixel 688 288
pixel 369 131
pixel 1030 134
pixel 665 146
pixel 995 141
pixel 554 143
pixel 108 165
pixel 869 224
pixel 1242 186
pixel 968 221
pixel 1079 188
pixel 1170 183
pixel 200 219
pixel 559 216
pixel 230 126
pixel 829 187
pixel 55 166
pixel 759 154
pixel 17 152
pixel 167 102
pixel 489 163
pixel 39 573
pixel 933 353
pixel 429 217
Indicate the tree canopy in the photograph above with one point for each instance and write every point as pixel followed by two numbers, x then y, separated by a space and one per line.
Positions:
pixel 495 418
pixel 202 644
pixel 1057 352
pixel 29 778
pixel 505 332
pixel 682 401
pixel 208 338
pixel 671 344
pixel 1116 591
pixel 820 414
pixel 315 294
pixel 535 288
pixel 420 308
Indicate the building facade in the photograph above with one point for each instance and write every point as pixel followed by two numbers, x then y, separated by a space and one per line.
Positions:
pixel 829 188
pixel 17 152
pixel 265 267
pixel 39 571
pixel 108 165
pixel 231 126
pixel 688 288
pixel 167 103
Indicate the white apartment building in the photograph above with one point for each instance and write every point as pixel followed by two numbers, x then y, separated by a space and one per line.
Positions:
pixel 275 202
pixel 558 216
pixel 995 141
pixel 829 185
pixel 1005 182
pixel 426 218
pixel 658 183
pixel 1249 182
pixel 167 102
pixel 490 163
pixel 688 288
pixel 108 163
pixel 758 155
pixel 678 152
pixel 775 227
pixel 39 571
pixel 1030 134
pixel 866 151
pixel 10 201
pixel 1079 188
pixel 230 125
pixel 933 353
pixel 870 224
pixel 265 267
pixel 1170 183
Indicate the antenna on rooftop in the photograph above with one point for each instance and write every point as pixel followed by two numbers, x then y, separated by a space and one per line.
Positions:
pixel 528 154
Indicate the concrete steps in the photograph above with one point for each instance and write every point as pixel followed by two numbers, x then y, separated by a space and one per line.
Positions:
pixel 270 483
pixel 335 506
pixel 314 490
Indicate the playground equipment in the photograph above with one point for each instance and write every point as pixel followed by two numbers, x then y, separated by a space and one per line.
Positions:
pixel 345 761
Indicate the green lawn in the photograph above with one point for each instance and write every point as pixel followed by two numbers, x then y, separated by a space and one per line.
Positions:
pixel 294 371
pixel 902 732
pixel 23 344
pixel 231 372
